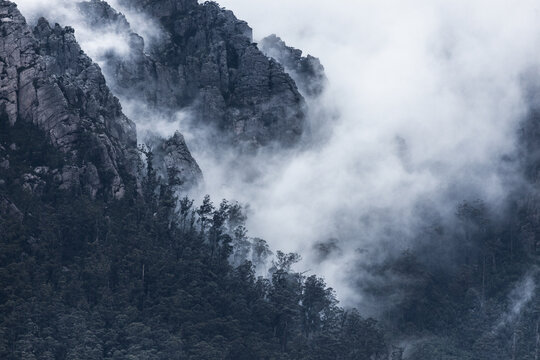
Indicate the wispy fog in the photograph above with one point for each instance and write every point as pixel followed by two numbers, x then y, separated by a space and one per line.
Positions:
pixel 96 42
pixel 429 97
pixel 519 297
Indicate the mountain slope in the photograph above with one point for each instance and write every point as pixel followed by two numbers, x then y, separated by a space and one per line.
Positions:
pixel 100 260
pixel 49 82
pixel 205 61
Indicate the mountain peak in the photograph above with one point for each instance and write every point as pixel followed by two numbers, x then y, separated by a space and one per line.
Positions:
pixel 206 62
pixel 307 71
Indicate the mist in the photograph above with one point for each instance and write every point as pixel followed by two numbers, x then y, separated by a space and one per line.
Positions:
pixel 97 42
pixel 519 297
pixel 429 97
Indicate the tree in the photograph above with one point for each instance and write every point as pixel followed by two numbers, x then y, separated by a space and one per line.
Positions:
pixel 204 212
pixel 260 253
pixel 318 305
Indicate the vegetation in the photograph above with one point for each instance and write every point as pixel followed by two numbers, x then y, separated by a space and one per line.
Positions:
pixel 142 278
pixel 155 277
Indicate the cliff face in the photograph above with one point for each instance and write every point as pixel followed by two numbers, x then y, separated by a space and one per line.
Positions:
pixel 175 165
pixel 206 61
pixel 46 80
pixel 136 74
pixel 307 71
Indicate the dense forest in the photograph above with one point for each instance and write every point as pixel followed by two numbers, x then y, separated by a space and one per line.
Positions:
pixel 143 278
pixel 140 278
pixel 104 255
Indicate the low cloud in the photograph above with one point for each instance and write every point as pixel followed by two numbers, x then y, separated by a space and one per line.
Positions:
pixel 429 102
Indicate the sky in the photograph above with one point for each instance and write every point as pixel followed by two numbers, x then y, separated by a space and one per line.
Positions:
pixel 429 97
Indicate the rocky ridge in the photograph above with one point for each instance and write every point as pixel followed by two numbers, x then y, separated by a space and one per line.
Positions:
pixel 210 66
pixel 307 71
pixel 206 61
pixel 48 81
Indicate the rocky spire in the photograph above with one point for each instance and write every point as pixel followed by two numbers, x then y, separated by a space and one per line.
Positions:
pixel 307 71
pixel 175 165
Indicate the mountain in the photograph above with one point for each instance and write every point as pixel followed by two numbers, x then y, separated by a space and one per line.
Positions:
pixel 49 82
pixel 205 61
pixel 103 255
pixel 307 71
pixel 100 258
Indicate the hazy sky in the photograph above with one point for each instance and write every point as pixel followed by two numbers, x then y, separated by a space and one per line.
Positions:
pixel 430 98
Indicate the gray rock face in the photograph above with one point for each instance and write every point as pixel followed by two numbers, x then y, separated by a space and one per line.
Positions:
pixel 46 79
pixel 175 165
pixel 99 13
pixel 135 75
pixel 207 61
pixel 307 71
pixel 161 8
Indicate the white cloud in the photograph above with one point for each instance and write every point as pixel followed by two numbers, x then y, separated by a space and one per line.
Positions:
pixel 442 77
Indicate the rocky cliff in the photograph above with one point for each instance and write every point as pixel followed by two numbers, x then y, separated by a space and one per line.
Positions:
pixel 175 165
pixel 205 61
pixel 307 71
pixel 46 80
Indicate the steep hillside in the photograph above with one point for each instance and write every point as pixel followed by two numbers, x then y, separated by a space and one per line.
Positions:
pixel 205 61
pixel 98 257
pixel 49 82
pixel 104 256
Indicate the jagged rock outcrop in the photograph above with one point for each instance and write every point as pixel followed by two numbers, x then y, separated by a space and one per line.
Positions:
pixel 163 8
pixel 98 13
pixel 307 71
pixel 47 80
pixel 207 61
pixel 175 165
pixel 135 74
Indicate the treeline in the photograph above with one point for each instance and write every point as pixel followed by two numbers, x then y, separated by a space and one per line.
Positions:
pixel 152 277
